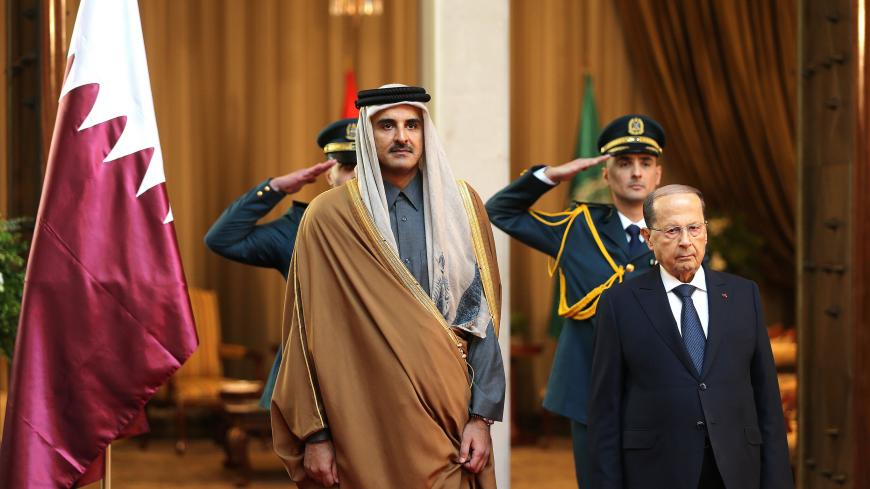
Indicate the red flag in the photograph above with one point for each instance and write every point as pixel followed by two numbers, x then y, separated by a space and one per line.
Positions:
pixel 105 318
pixel 350 109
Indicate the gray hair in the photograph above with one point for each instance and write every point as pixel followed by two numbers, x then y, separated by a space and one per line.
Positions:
pixel 649 213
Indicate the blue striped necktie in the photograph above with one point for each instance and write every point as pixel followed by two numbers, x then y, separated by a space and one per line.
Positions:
pixel 690 326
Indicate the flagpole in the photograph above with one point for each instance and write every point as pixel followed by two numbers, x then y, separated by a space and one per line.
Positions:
pixel 107 474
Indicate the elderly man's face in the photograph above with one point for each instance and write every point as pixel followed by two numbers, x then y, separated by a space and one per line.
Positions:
pixel 682 253
pixel 398 133
pixel 632 177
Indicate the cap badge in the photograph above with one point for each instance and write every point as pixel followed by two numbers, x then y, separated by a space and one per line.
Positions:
pixel 350 131
pixel 635 126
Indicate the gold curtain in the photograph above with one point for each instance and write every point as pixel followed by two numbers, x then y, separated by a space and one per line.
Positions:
pixel 241 90
pixel 553 43
pixel 722 76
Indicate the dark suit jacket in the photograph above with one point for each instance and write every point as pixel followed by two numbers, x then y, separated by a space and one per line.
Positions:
pixel 585 268
pixel 650 411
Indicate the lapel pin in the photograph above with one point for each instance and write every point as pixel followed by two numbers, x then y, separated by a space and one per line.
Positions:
pixel 725 295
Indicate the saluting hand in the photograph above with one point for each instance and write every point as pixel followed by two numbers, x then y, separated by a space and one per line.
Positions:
pixel 566 171
pixel 294 181
pixel 319 463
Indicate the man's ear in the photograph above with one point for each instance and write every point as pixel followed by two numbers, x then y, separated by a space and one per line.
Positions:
pixel 646 235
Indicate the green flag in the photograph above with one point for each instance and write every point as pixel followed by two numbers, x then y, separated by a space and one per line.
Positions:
pixel 586 186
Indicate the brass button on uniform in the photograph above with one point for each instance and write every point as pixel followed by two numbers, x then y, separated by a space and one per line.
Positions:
pixel 629 268
pixel 266 188
pixel 259 193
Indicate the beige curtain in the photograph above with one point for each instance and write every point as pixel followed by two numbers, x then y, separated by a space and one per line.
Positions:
pixel 722 74
pixel 553 43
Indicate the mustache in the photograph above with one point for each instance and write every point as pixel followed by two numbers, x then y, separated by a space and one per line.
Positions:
pixel 401 147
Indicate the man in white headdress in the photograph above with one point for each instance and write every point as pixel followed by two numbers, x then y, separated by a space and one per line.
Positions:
pixel 392 373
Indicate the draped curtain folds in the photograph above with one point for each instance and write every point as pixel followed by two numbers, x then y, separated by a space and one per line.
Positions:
pixel 721 76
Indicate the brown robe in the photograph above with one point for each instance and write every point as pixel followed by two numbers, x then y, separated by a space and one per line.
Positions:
pixel 369 355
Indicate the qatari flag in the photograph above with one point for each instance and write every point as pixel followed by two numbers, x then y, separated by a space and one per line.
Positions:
pixel 106 318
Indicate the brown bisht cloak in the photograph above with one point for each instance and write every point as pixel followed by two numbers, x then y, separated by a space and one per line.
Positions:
pixel 369 356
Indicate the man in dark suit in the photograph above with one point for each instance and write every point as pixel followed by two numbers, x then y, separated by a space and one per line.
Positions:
pixel 684 388
pixel 594 247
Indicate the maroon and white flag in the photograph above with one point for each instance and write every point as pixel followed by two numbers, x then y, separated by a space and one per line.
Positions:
pixel 105 318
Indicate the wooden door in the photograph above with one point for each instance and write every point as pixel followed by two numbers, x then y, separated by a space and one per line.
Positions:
pixel 833 246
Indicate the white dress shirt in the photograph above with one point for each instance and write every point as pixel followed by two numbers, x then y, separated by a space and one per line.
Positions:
pixel 699 297
pixel 541 175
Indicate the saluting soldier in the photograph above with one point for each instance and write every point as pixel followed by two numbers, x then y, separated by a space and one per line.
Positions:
pixel 237 236
pixel 593 246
